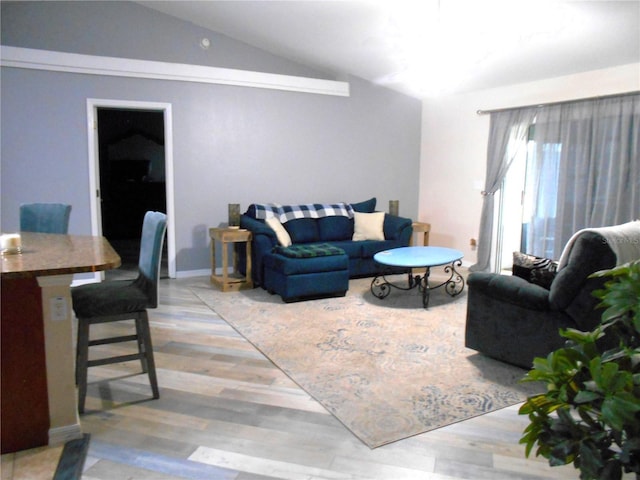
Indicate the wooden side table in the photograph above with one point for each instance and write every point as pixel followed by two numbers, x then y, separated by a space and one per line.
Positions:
pixel 420 227
pixel 235 281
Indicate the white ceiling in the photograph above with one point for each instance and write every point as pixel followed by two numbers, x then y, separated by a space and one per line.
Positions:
pixel 426 47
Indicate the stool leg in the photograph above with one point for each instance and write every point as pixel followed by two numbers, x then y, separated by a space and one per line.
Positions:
pixel 140 339
pixel 145 333
pixel 82 359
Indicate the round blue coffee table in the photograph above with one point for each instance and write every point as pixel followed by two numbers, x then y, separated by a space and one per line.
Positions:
pixel 419 257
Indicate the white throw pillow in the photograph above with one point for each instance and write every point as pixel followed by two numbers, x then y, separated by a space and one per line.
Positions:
pixel 283 236
pixel 368 226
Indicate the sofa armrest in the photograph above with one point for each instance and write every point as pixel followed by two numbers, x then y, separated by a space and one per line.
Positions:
pixel 256 227
pixel 510 289
pixel 397 228
pixel 263 242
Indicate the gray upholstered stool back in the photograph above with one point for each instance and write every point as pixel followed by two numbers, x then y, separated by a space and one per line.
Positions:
pixel 45 217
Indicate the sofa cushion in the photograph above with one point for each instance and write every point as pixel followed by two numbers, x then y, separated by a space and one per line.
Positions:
pixel 368 206
pixel 335 228
pixel 281 233
pixel 371 247
pixel 302 230
pixel 368 226
pixel 351 248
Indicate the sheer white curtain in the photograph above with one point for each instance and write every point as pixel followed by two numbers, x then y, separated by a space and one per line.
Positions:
pixel 507 133
pixel 584 170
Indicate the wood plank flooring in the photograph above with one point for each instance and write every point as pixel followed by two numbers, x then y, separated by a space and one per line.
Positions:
pixel 226 412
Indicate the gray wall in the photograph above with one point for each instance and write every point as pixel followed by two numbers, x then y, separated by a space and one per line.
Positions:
pixel 231 144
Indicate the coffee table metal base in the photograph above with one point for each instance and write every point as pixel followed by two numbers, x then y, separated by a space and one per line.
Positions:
pixel 381 287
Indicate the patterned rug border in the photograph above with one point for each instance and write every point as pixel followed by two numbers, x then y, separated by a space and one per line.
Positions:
pixel 374 422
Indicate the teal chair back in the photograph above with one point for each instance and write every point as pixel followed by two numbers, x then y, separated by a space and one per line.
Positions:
pixel 45 217
pixel 154 227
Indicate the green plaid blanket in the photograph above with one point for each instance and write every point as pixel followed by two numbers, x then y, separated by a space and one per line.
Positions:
pixel 308 251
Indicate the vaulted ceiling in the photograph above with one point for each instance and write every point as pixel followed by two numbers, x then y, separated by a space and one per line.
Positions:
pixel 430 47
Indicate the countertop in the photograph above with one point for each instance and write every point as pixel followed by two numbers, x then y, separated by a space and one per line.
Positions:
pixel 55 254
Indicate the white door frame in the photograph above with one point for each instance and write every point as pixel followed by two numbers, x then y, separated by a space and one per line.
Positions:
pixel 94 165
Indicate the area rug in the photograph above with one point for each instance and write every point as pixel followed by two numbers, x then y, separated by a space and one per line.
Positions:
pixel 386 368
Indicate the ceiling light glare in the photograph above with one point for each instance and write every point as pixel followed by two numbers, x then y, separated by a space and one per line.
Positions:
pixel 439 43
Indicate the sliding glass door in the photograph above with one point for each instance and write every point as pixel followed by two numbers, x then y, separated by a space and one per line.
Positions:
pixel 527 209
pixel 540 198
pixel 581 170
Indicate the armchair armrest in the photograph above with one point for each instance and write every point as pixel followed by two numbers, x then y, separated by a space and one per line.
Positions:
pixel 510 289
pixel 397 228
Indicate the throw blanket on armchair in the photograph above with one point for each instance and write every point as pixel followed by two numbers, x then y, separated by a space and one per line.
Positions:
pixel 284 213
pixel 623 239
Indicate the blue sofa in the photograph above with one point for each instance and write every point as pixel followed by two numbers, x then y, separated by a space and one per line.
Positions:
pixel 296 275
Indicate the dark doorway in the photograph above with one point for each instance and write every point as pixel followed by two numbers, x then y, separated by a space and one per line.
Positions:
pixel 132 177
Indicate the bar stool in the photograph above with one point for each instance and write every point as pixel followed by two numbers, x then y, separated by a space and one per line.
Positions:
pixel 114 301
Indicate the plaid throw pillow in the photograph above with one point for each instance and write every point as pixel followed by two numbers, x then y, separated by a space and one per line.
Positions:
pixel 538 270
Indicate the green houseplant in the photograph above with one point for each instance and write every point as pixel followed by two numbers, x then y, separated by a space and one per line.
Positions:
pixel 590 413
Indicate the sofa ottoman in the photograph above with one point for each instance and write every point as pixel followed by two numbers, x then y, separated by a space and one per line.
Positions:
pixel 306 271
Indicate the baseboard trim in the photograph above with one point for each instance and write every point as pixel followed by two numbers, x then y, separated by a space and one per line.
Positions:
pixel 64 434
pixel 193 273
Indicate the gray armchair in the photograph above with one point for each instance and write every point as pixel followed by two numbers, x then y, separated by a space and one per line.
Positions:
pixel 515 321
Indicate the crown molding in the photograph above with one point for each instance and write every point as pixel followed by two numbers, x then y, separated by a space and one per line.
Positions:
pixel 18 57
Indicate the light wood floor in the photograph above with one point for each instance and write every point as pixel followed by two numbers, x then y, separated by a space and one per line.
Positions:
pixel 226 412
